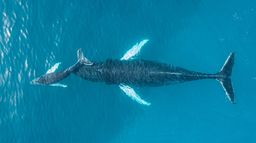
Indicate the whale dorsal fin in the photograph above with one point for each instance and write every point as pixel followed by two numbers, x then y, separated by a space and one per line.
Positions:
pixel 131 53
pixel 53 68
pixel 132 94
pixel 82 58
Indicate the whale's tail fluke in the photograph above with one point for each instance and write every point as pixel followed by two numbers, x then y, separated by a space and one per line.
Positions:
pixel 224 77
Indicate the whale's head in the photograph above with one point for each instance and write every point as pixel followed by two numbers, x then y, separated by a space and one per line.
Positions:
pixel 42 80
pixel 37 81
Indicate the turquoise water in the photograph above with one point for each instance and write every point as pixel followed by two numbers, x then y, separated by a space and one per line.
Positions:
pixel 194 34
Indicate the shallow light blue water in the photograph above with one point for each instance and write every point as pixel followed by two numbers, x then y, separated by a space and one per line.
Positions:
pixel 194 34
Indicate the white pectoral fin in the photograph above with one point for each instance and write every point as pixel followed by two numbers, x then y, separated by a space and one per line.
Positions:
pixel 53 68
pixel 134 50
pixel 132 94
pixel 59 85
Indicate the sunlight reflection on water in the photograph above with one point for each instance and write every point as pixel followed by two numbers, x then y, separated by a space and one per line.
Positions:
pixel 14 70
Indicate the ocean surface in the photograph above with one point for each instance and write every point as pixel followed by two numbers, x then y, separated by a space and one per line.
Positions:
pixel 195 34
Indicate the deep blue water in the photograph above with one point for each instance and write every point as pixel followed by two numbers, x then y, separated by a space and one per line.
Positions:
pixel 194 34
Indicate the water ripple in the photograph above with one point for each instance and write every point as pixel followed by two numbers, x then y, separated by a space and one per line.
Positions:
pixel 14 67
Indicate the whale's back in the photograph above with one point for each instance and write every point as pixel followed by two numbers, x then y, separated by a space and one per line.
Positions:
pixel 133 72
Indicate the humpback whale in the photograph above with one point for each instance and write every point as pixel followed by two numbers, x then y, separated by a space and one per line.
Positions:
pixel 128 72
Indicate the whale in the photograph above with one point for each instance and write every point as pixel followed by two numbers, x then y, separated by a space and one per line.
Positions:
pixel 130 71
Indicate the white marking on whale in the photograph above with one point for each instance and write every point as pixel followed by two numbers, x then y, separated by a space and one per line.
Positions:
pixel 171 73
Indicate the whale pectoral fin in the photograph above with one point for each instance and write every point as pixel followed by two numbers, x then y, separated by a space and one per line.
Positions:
pixel 53 68
pixel 59 85
pixel 132 94
pixel 134 50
